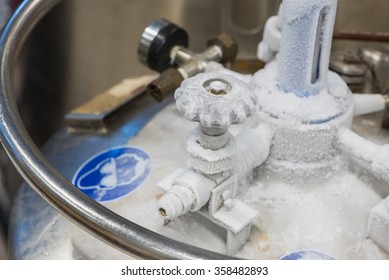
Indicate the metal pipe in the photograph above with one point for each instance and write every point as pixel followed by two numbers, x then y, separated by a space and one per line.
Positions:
pixel 44 179
pixel 370 156
pixel 305 45
pixel 361 35
pixel 366 103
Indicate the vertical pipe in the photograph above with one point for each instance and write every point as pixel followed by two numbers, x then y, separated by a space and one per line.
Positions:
pixel 307 28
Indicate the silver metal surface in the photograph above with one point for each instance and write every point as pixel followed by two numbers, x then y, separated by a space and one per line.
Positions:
pixel 378 61
pixel 98 114
pixel 182 55
pixel 347 64
pixel 55 189
pixel 245 20
pixel 213 53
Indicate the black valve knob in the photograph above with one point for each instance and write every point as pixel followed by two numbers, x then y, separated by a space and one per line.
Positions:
pixel 157 41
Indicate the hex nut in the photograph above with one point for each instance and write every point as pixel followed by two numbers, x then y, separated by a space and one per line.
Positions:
pixel 165 84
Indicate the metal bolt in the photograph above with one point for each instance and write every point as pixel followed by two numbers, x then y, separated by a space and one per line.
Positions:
pixel 217 86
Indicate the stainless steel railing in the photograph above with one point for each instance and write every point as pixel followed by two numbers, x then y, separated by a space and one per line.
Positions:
pixel 45 180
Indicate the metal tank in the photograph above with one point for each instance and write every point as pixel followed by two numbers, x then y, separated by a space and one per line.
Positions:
pixel 152 131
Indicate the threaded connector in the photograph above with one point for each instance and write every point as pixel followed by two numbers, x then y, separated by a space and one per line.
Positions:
pixel 165 84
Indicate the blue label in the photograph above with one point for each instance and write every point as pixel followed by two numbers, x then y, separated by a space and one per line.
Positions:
pixel 307 255
pixel 113 174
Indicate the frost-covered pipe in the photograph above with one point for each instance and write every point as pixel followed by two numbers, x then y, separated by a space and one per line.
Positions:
pixel 253 148
pixel 371 156
pixel 307 28
pixel 369 103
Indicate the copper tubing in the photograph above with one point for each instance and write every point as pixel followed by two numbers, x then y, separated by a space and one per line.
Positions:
pixel 361 35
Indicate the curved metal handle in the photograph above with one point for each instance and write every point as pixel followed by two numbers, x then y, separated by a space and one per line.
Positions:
pixel 44 179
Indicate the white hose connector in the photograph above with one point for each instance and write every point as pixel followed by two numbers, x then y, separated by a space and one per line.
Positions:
pixel 369 103
pixel 189 192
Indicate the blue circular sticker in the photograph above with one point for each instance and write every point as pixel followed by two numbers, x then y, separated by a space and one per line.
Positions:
pixel 113 174
pixel 307 255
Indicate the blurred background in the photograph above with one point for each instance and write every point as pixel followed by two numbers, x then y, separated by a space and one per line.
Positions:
pixel 81 48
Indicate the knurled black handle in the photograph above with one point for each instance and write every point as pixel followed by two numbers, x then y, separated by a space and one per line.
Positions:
pixel 157 41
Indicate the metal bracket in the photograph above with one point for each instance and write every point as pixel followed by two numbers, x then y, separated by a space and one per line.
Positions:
pixel 97 114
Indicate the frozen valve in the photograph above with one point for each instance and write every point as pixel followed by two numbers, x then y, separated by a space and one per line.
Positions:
pixel 217 161
pixel 215 100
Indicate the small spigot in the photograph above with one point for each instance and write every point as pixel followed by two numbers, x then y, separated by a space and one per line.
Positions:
pixel 163 47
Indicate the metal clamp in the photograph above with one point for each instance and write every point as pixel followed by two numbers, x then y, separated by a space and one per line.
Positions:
pixel 45 180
